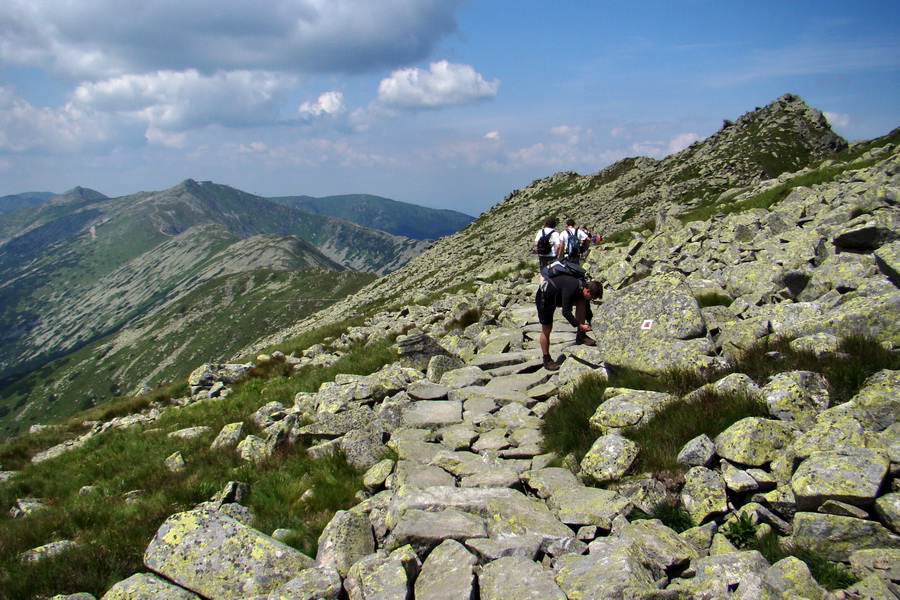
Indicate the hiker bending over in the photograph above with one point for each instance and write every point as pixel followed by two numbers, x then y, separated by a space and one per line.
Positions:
pixel 568 293
pixel 572 242
pixel 546 241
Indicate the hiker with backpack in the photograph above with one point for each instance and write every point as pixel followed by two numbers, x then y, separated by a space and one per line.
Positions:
pixel 572 243
pixel 573 295
pixel 546 241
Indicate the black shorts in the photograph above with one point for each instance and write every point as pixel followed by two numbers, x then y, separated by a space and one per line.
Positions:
pixel 543 261
pixel 545 302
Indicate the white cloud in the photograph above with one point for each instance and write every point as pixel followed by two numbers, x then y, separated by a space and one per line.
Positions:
pixel 837 119
pixel 682 141
pixel 443 84
pixel 187 99
pixel 91 39
pixel 329 103
pixel 492 135
pixel 25 127
pixel 167 139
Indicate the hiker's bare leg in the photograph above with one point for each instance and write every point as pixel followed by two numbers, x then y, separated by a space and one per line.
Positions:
pixel 544 339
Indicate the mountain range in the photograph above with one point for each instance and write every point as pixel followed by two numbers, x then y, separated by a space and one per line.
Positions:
pixel 114 278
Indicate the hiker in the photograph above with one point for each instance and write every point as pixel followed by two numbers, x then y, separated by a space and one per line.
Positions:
pixel 568 293
pixel 572 242
pixel 546 241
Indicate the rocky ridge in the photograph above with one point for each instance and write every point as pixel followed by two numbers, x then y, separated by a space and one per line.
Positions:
pixel 784 137
pixel 471 507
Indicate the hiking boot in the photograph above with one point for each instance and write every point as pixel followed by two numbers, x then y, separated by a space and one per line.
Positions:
pixel 582 338
pixel 550 365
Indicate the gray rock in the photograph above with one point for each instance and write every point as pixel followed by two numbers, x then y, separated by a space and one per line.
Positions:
pixel 310 584
pixel 753 441
pixel 703 494
pixel 432 414
pixel 838 537
pixel 699 452
pixel 425 530
pixel 853 477
pixel 887 508
pixel 517 578
pixel 490 549
pixel 384 577
pixel 215 556
pixel 464 377
pixel 612 567
pixel 609 458
pixel 797 397
pixel 147 586
pixel 347 538
pixel 447 574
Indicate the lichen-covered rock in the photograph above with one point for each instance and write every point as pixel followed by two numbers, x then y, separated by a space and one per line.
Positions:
pixel 699 452
pixel 792 577
pixel 147 586
pixel 631 408
pixel 838 537
pixel 215 556
pixel 386 577
pixel 347 538
pixel 517 578
pixel 887 508
pixel 828 434
pixel 580 505
pixel 228 437
pixel 853 476
pixel 612 566
pixel 652 325
pixel 703 494
pixel 423 531
pixel 659 544
pixel 753 441
pixel 877 404
pixel 609 458
pixel 310 584
pixel 797 397
pixel 47 551
pixel 447 574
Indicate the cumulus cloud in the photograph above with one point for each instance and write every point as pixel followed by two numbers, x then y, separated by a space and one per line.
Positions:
pixel 444 84
pixel 187 99
pixel 25 127
pixel 329 103
pixel 94 39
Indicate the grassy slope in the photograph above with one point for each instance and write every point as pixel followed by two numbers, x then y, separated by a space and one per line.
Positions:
pixel 222 315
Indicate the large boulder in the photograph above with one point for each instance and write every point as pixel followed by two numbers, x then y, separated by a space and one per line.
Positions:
pixel 652 325
pixel 217 557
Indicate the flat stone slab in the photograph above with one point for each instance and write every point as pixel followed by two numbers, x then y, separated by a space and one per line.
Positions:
pixel 425 530
pixel 430 414
pixel 853 477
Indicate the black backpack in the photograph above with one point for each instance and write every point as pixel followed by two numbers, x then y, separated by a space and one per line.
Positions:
pixel 543 244
pixel 573 245
pixel 564 267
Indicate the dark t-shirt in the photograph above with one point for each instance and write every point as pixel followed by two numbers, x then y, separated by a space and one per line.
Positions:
pixel 562 291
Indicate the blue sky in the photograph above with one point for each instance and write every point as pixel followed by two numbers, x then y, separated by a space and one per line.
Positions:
pixel 443 103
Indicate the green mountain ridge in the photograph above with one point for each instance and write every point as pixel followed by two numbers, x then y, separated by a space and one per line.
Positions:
pixel 384 214
pixel 82 266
